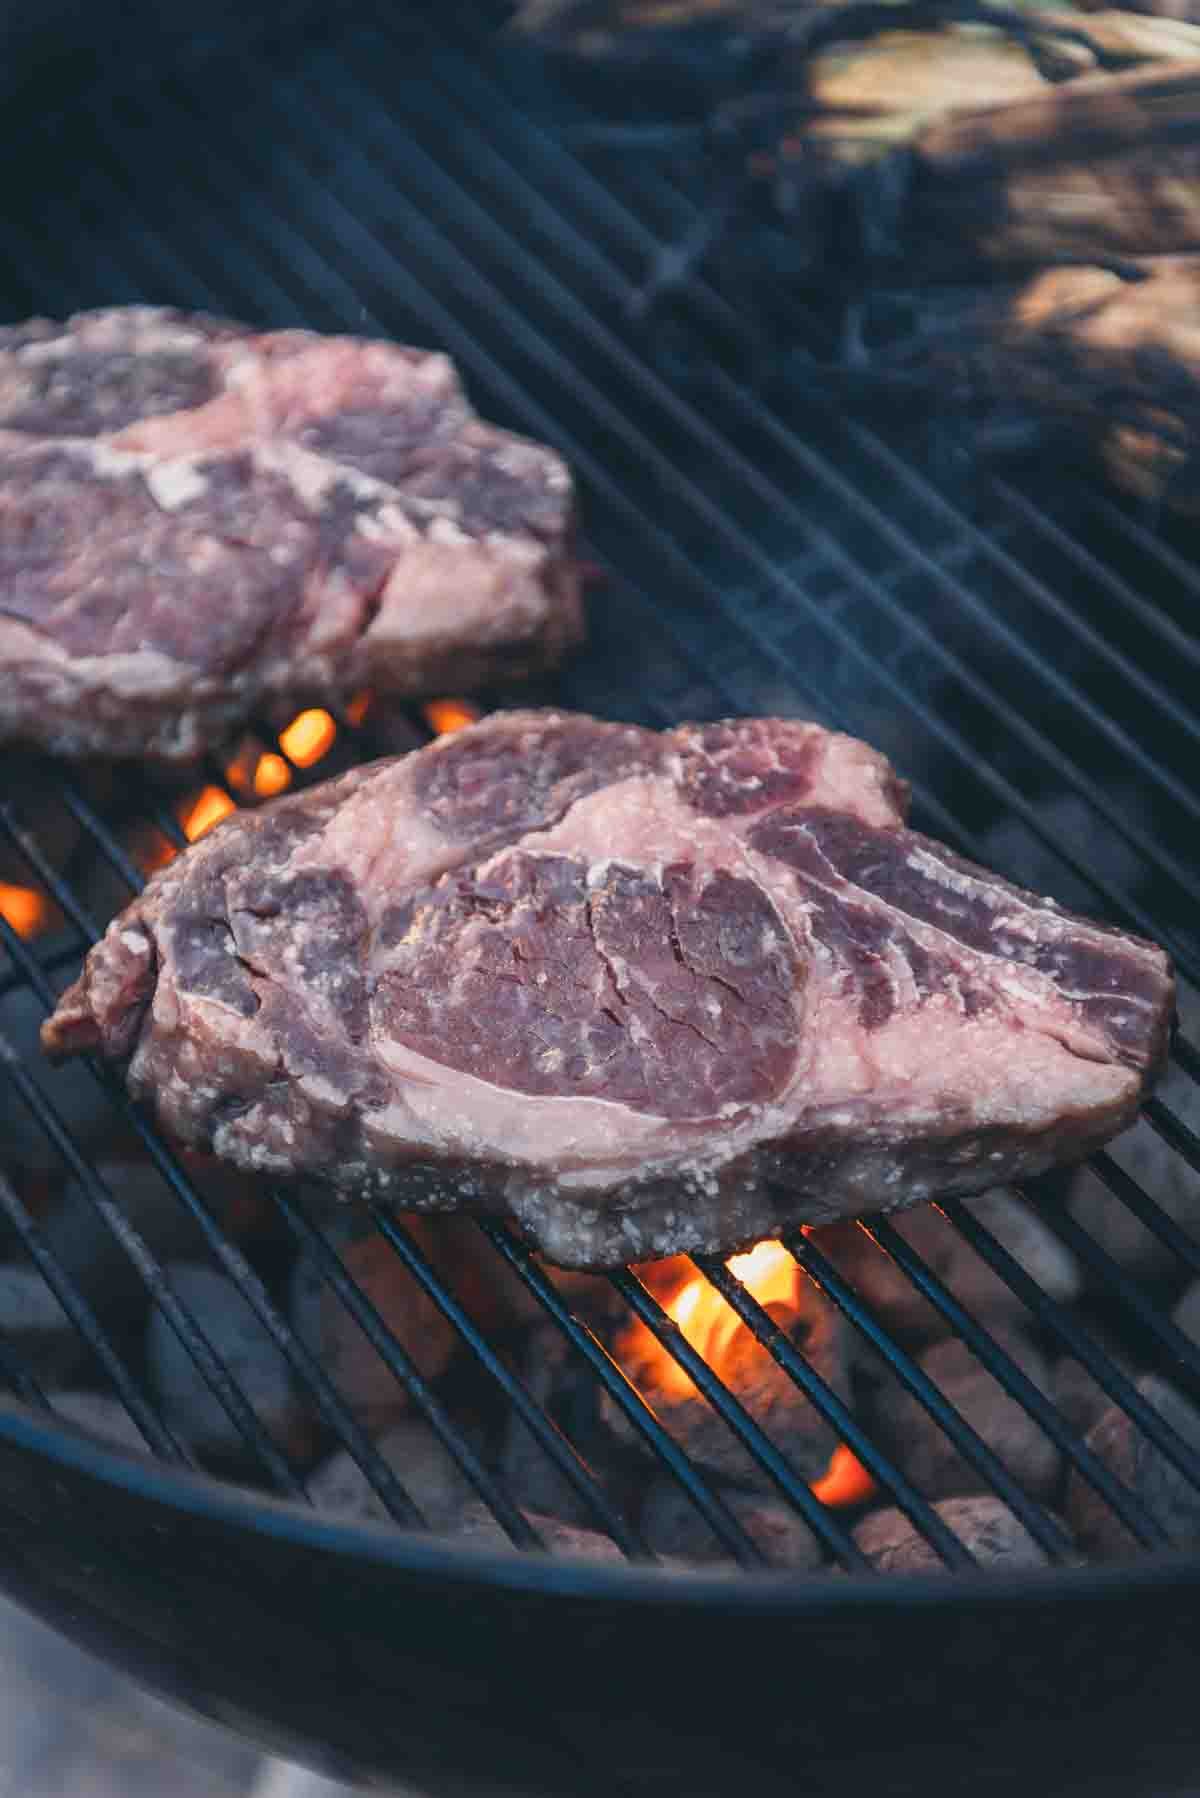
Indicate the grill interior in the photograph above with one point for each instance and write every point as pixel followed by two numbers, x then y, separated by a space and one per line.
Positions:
pixel 1019 643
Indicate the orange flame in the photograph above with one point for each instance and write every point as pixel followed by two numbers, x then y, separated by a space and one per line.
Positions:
pixel 358 707
pixel 308 737
pixel 446 715
pixel 713 1328
pixel 27 910
pixel 271 776
pixel 203 810
pixel 767 1272
pixel 845 1481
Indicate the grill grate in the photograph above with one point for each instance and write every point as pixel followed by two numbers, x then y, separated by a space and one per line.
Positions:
pixel 770 550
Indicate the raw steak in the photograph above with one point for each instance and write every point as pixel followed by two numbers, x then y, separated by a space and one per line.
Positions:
pixel 197 519
pixel 645 993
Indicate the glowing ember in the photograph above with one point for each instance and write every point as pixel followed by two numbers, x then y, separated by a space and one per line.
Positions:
pixel 152 851
pixel 308 737
pixel 445 715
pixel 271 776
pixel 358 707
pixel 28 911
pixel 845 1481
pixel 239 770
pixel 203 810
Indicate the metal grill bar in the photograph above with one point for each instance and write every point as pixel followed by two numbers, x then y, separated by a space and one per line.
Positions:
pixel 1149 544
pixel 1173 1131
pixel 551 1439
pixel 780 1347
pixel 966 1440
pixel 404 1369
pixel 1101 1368
pixel 1017 1384
pixel 329 1405
pixel 1184 1353
pixel 178 1316
pixel 83 1317
pixel 665 1449
pixel 1149 617
pixel 1125 1188
pixel 733 1413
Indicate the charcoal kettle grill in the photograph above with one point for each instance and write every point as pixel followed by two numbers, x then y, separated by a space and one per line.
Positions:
pixel 1016 641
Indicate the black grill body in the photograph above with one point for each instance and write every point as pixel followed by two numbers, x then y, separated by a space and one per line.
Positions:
pixel 1022 645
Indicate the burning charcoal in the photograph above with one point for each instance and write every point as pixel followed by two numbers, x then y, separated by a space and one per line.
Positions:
pixel 241 1342
pixel 672 1525
pixel 1015 1224
pixel 925 1451
pixel 1167 1494
pixel 748 1371
pixel 361 1376
pixel 479 1529
pixel 563 1385
pixel 425 1468
pixel 36 1328
pixel 983 1525
pixel 101 1416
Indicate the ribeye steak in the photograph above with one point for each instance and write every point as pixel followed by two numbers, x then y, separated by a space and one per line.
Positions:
pixel 197 519
pixel 643 992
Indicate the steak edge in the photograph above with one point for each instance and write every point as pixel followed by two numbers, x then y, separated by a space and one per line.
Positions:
pixel 644 993
pixel 198 520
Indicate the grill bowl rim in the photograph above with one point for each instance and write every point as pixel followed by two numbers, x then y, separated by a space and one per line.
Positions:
pixel 207 1498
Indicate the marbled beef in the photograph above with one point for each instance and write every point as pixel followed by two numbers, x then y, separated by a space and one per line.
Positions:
pixel 197 520
pixel 645 993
